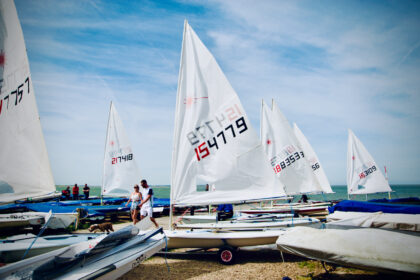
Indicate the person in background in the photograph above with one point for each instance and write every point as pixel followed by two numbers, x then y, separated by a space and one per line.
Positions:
pixel 304 198
pixel 135 199
pixel 146 206
pixel 66 193
pixel 224 212
pixel 75 192
pixel 207 189
pixel 86 190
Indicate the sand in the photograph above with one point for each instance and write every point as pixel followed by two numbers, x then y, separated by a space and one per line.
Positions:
pixel 267 264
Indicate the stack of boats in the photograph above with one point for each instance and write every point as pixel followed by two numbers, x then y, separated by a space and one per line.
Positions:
pixel 382 236
pixel 215 143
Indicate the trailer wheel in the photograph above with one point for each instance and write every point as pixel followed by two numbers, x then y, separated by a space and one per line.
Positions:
pixel 227 255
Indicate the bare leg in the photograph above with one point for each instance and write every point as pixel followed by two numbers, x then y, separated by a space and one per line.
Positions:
pixel 135 213
pixel 154 221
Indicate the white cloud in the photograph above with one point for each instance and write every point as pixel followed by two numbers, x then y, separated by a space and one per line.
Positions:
pixel 329 68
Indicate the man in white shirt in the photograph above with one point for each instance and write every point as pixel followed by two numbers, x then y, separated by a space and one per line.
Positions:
pixel 147 204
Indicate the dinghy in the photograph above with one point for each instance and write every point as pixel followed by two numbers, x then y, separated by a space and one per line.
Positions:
pixel 25 171
pixel 120 171
pixel 207 239
pixel 20 220
pixel 241 218
pixel 215 144
pixel 258 225
pixel 365 248
pixel 313 160
pixel 294 161
pixel 105 257
pixel 407 222
pixel 285 153
pixel 363 174
pixel 36 220
pixel 13 248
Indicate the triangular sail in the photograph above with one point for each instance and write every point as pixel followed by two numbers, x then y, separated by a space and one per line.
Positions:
pixel 24 166
pixel 363 174
pixel 313 160
pixel 285 154
pixel 214 142
pixel 121 172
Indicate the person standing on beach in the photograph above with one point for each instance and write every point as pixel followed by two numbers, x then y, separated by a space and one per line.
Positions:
pixel 86 190
pixel 135 199
pixel 75 192
pixel 146 206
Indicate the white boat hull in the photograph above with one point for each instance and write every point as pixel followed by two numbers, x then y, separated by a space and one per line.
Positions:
pixel 117 265
pixel 408 222
pixel 13 248
pixel 215 239
pixel 24 219
pixel 198 219
pixel 366 248
pixel 252 226
pixel 108 264
pixel 18 220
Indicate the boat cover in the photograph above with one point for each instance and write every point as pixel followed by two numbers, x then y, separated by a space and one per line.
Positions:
pixel 364 206
pixel 367 248
pixel 410 222
pixel 405 200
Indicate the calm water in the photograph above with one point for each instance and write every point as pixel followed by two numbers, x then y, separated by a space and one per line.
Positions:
pixel 399 191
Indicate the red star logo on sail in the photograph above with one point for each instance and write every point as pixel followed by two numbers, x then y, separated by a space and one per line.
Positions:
pixel 353 158
pixel 268 142
pixel 189 101
pixel 112 143
pixel 2 59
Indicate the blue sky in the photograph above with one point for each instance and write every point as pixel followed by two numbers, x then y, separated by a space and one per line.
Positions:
pixel 330 66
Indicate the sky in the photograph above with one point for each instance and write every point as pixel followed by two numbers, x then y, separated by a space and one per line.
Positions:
pixel 329 65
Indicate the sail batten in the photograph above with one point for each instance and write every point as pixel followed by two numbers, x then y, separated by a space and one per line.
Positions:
pixel 214 142
pixel 25 170
pixel 363 174
pixel 120 170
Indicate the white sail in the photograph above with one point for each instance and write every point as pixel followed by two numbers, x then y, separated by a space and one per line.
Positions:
pixel 313 160
pixel 285 154
pixel 24 166
pixel 363 174
pixel 214 142
pixel 121 172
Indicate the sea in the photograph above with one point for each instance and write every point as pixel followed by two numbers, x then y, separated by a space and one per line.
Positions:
pixel 340 192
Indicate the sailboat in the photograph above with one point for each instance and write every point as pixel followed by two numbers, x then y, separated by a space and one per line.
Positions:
pixel 25 171
pixel 313 160
pixel 364 177
pixel 107 256
pixel 215 143
pixel 285 153
pixel 120 172
pixel 365 248
pixel 290 161
pixel 363 174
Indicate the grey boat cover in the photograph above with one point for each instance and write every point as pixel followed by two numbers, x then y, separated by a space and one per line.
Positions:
pixel 409 222
pixel 366 248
